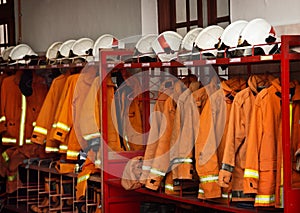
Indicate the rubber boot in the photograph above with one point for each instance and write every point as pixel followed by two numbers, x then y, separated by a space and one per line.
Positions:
pixel 67 191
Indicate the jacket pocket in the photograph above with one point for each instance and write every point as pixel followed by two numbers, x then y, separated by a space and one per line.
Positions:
pixel 267 165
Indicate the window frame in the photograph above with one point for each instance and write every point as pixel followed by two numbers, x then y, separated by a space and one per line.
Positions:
pixel 7 17
pixel 167 15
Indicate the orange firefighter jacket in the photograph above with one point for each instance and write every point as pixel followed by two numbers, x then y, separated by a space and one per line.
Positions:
pixel 295 139
pixel 210 142
pixel 90 117
pixel 264 139
pixel 2 76
pixel 182 157
pixel 182 154
pixel 45 118
pixel 18 113
pixel 69 114
pixel 235 148
pixel 82 178
pixel 161 158
pixel 165 91
pixel 53 142
pixel 128 100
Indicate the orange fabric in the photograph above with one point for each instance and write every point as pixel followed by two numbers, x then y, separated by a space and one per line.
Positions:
pixel 187 113
pixel 210 142
pixel 11 102
pixel 132 173
pixel 69 114
pixel 161 160
pixel 46 116
pixel 51 143
pixel 64 168
pixel 113 139
pixel 263 139
pixel 295 140
pixel 238 128
pixel 164 92
pixel 129 113
pixel 173 112
pixel 87 169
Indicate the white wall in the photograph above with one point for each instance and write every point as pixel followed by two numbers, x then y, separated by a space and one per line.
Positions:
pixel 276 12
pixel 149 17
pixel 47 21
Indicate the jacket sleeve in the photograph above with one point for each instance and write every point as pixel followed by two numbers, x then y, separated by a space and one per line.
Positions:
pixel 3 106
pixel 51 141
pixel 152 141
pixel 161 159
pixel 43 121
pixel 235 135
pixel 254 137
pixel 64 121
pixel 89 123
pixel 186 140
pixel 210 134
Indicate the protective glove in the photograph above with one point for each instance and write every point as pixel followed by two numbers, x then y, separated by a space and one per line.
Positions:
pixel 224 178
pixel 93 144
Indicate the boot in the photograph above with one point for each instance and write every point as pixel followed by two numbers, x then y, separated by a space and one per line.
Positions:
pixel 67 191
pixel 148 207
pixel 50 187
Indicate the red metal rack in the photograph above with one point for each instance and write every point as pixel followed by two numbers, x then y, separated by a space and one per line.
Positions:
pixel 115 198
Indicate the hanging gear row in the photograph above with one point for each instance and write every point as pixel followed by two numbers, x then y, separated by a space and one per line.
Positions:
pixel 220 142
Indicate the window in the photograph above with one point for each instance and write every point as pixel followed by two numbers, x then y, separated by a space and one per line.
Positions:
pixel 7 24
pixel 184 15
pixel 2 1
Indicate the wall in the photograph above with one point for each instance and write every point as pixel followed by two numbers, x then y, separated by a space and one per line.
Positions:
pixel 149 17
pixel 284 15
pixel 47 21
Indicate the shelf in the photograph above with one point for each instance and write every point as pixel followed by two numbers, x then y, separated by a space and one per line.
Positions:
pixel 39 67
pixel 216 61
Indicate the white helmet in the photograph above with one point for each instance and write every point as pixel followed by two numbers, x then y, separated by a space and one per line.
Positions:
pixel 21 54
pixel 104 41
pixel 166 45
pixel 82 48
pixel 208 38
pixel 5 54
pixel 189 39
pixel 188 42
pixel 230 37
pixel 52 50
pixel 64 49
pixel 258 31
pixel 144 46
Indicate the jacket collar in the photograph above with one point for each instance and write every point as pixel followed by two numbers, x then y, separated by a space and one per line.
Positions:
pixel 258 82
